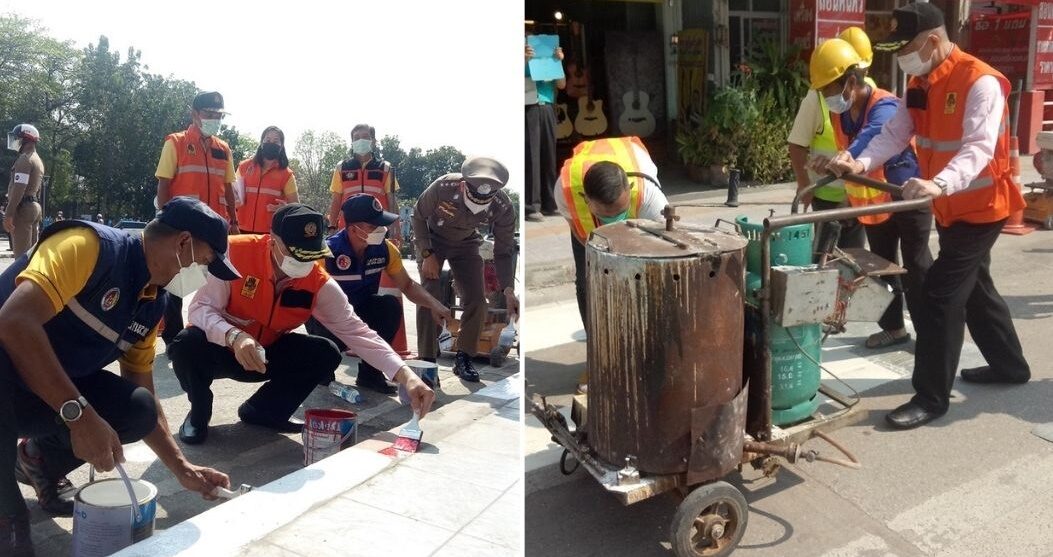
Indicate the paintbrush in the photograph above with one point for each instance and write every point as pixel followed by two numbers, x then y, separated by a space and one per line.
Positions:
pixel 409 436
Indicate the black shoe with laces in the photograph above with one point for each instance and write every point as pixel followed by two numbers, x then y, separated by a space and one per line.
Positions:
pixel 54 495
pixel 464 369
pixel 14 536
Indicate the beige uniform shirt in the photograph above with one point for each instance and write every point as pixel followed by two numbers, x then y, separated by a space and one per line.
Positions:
pixel 27 172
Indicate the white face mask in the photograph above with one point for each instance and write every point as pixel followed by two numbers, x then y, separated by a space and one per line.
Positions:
pixel 376 237
pixel 361 146
pixel 837 103
pixel 209 127
pixel 189 279
pixel 296 269
pixel 912 64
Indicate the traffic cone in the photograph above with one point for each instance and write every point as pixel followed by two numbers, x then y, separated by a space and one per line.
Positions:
pixel 1015 225
pixel 389 288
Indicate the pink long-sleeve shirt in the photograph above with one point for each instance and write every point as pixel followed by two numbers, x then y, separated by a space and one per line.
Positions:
pixel 982 119
pixel 208 313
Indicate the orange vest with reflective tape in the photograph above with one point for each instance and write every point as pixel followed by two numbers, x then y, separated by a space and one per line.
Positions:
pixel 262 188
pixel 201 167
pixel 371 179
pixel 991 196
pixel 859 195
pixel 256 305
pixel 618 150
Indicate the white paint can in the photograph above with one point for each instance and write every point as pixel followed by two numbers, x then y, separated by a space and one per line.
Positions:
pixel 104 520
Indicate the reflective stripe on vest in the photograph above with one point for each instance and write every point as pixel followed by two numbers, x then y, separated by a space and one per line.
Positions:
pixel 991 196
pixel 618 150
pixel 261 189
pixel 371 179
pixel 97 325
pixel 859 195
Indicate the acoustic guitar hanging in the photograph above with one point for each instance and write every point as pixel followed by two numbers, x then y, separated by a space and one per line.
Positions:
pixel 636 118
pixel 577 73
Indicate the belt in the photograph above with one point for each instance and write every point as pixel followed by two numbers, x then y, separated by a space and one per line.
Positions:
pixel 27 199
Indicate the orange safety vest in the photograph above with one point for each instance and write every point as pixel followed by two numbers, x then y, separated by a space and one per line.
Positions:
pixel 614 149
pixel 255 306
pixel 371 179
pixel 991 196
pixel 201 167
pixel 859 195
pixel 261 189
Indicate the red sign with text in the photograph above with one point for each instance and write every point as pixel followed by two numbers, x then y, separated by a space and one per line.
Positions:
pixel 814 21
pixel 1044 46
pixel 1002 41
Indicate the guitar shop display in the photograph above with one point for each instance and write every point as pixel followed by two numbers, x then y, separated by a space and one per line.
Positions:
pixel 635 81
pixel 577 72
pixel 564 126
pixel 636 118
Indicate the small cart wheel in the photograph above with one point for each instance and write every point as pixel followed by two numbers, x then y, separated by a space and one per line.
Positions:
pixel 497 356
pixel 709 522
pixel 563 463
pixel 1048 223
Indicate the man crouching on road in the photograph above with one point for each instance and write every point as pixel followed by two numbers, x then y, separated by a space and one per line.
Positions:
pixel 85 296
pixel 242 330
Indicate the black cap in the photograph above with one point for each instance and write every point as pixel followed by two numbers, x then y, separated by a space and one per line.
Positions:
pixel 302 230
pixel 908 22
pixel 208 100
pixel 363 207
pixel 190 215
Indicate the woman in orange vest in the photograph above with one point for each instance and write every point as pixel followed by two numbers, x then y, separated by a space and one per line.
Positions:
pixel 265 182
pixel 365 172
pixel 956 112
pixel 858 111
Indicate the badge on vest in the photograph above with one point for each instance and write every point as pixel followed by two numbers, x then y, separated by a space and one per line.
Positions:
pixel 343 262
pixel 109 300
pixel 249 289
pixel 951 104
pixel 190 148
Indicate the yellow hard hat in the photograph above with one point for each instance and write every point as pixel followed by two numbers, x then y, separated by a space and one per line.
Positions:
pixel 861 42
pixel 830 61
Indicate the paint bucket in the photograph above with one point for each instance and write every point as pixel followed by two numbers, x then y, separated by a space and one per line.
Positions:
pixel 105 520
pixel 327 431
pixel 427 371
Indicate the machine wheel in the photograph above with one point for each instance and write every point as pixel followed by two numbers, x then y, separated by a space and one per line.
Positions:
pixel 709 522
pixel 497 357
pixel 1048 223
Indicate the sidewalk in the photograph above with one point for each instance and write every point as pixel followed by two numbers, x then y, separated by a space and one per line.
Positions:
pixel 461 495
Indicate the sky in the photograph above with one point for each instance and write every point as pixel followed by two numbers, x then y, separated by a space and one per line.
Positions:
pixel 432 72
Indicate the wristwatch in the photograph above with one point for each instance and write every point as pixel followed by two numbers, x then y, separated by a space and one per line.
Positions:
pixel 232 335
pixel 426 253
pixel 72 410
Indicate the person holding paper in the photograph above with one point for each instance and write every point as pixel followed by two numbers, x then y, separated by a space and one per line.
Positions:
pixel 265 183
pixel 541 133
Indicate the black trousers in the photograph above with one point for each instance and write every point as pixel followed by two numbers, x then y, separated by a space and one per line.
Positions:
pixel 295 364
pixel 130 410
pixel 382 314
pixel 173 319
pixel 907 232
pixel 540 158
pixel 580 285
pixel 959 291
pixel 852 233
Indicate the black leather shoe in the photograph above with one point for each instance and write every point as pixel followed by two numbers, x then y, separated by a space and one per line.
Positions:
pixel 54 495
pixel 250 415
pixel 464 369
pixel 374 381
pixel 987 375
pixel 14 536
pixel 910 416
pixel 191 434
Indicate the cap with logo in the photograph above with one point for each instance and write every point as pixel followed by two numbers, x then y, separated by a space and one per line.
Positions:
pixel 908 22
pixel 190 215
pixel 209 100
pixel 363 207
pixel 484 177
pixel 302 230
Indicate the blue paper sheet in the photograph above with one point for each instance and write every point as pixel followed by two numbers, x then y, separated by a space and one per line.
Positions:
pixel 544 66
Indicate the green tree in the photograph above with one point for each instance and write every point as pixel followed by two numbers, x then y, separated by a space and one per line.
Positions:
pixel 316 156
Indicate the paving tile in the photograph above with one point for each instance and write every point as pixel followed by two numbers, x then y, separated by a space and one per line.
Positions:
pixel 346 528
pixel 502 523
pixel 468 546
pixel 492 437
pixel 477 466
pixel 450 504
pixel 264 549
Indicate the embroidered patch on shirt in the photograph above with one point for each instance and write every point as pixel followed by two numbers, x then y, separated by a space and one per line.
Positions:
pixel 249 289
pixel 951 103
pixel 109 300
pixel 343 262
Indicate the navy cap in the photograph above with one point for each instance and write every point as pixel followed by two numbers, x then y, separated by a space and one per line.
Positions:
pixel 208 100
pixel 363 207
pixel 302 230
pixel 908 22
pixel 190 215
pixel 484 175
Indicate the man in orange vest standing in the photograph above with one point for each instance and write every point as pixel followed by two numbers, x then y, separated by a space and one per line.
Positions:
pixel 195 163
pixel 956 112
pixel 242 330
pixel 593 189
pixel 858 111
pixel 364 173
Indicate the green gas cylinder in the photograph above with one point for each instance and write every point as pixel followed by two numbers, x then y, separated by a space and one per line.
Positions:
pixel 789 246
pixel 795 353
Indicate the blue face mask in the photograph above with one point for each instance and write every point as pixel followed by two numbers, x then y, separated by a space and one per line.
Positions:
pixel 616 218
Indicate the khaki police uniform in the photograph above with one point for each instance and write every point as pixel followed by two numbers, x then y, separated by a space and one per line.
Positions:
pixel 27 172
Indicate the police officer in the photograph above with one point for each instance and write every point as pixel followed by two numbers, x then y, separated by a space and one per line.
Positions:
pixel 102 287
pixel 243 330
pixel 446 220
pixel 197 164
pixel 22 220
pixel 360 254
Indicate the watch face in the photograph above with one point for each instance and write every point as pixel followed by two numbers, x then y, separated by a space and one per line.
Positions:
pixel 70 410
